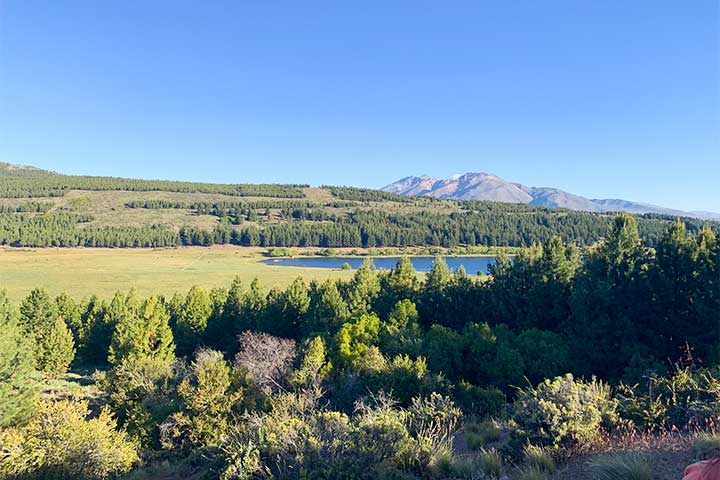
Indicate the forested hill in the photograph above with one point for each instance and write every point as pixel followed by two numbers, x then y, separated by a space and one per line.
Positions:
pixel 24 181
pixel 40 208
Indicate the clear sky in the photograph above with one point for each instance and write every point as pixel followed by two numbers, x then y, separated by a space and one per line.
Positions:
pixel 605 98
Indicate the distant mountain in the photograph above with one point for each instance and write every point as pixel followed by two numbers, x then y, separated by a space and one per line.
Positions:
pixel 485 186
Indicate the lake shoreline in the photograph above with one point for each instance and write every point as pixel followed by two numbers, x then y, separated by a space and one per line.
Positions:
pixel 473 264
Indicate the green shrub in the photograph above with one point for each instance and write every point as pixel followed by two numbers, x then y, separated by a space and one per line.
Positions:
pixel 298 437
pixel 209 393
pixel 62 442
pixel 564 412
pixel 142 393
pixel 483 402
pixel 685 396
pixel 621 466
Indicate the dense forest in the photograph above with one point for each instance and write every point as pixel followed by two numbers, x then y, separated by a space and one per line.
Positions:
pixel 374 377
pixel 20 182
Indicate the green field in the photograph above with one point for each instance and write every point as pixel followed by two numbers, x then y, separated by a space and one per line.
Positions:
pixel 82 272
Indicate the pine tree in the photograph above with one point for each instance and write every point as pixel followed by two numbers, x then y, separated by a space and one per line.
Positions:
pixel 313 367
pixel 37 313
pixel 18 387
pixel 56 349
pixel 295 302
pixel 193 320
pixel 69 311
pixel 53 343
pixel 327 311
pixel 363 288
pixel 96 334
pixel 400 283
pixel 144 333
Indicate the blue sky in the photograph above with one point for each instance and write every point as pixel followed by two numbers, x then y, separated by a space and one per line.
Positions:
pixel 604 99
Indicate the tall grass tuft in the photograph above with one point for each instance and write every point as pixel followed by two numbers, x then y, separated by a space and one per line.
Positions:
pixel 621 466
pixel 540 458
pixel 706 446
pixel 491 463
pixel 532 473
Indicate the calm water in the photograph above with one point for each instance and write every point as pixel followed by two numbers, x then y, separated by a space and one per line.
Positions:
pixel 472 265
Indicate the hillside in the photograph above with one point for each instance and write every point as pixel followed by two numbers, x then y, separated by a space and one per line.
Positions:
pixel 488 187
pixel 40 208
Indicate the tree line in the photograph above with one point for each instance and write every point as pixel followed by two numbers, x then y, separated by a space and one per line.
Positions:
pixel 487 224
pixel 28 182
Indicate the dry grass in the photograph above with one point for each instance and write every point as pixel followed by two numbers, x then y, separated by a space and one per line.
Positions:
pixel 81 272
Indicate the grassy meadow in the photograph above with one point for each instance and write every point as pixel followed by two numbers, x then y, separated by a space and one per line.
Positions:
pixel 81 272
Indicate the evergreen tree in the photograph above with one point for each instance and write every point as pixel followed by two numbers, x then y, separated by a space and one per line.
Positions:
pixel 363 289
pixel 400 283
pixel 143 333
pixel 37 313
pixel 401 333
pixel 610 302
pixel 327 310
pixel 96 334
pixel 549 294
pixel 433 300
pixel 69 311
pixel 18 387
pixel 52 340
pixel 216 328
pixel 56 349
pixel 193 320
pixel 252 309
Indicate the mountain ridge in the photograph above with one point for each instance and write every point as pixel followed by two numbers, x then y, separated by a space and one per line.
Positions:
pixel 490 187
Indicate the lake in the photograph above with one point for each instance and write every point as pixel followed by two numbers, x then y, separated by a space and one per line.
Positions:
pixel 472 265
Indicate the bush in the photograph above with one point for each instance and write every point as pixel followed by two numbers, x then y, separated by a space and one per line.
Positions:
pixel 142 393
pixel 686 396
pixel 564 412
pixel 621 466
pixel 62 442
pixel 405 379
pixel 483 402
pixel 299 438
pixel 267 359
pixel 209 393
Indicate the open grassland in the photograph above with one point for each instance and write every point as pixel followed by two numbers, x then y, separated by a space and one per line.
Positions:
pixel 83 272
